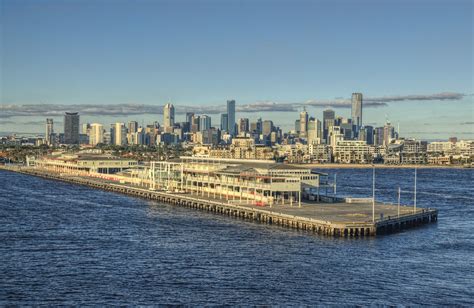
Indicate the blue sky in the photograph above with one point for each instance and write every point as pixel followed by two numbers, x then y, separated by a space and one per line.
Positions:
pixel 200 53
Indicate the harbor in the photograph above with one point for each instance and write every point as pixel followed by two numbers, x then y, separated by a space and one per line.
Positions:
pixel 350 217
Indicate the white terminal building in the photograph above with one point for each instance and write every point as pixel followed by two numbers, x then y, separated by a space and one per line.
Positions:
pixel 255 181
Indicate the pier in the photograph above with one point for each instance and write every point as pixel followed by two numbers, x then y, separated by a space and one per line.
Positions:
pixel 331 219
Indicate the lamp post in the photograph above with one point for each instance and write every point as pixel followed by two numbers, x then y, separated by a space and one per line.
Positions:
pixel 414 197
pixel 373 193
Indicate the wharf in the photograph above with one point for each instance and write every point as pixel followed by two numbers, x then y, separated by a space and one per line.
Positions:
pixel 332 219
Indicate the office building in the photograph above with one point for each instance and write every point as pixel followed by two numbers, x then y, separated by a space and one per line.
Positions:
pixel 204 122
pixel 303 123
pixel 224 122
pixel 244 125
pixel 357 111
pixel 231 117
pixel 71 128
pixel 132 127
pixel 328 121
pixel 168 117
pixel 315 134
pixel 49 131
pixel 120 137
pixel 96 135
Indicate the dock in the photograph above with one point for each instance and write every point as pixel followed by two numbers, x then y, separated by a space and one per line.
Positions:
pixel 341 219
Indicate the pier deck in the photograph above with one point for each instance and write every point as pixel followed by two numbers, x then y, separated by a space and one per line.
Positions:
pixel 335 219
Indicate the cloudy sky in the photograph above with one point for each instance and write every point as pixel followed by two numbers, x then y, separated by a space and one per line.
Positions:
pixel 122 60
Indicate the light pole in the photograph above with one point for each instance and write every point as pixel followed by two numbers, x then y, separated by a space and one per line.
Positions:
pixel 414 198
pixel 399 191
pixel 373 193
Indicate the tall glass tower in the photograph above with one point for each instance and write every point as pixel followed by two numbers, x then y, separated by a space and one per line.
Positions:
pixel 231 117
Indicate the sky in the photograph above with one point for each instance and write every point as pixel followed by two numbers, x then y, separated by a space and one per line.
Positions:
pixel 121 60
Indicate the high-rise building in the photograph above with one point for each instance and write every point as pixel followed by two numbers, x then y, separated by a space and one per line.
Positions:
pixel 120 134
pixel 224 122
pixel 204 122
pixel 357 111
pixel 388 133
pixel 49 131
pixel 132 127
pixel 328 121
pixel 303 123
pixel 366 134
pixel 189 118
pixel 267 127
pixel 315 134
pixel 378 136
pixel 96 135
pixel 244 125
pixel 231 117
pixel 297 126
pixel 71 128
pixel 168 117
pixel 256 127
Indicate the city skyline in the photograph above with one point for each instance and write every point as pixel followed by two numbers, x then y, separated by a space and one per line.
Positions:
pixel 286 56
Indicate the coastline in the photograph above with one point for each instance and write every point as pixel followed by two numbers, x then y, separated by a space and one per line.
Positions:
pixel 378 166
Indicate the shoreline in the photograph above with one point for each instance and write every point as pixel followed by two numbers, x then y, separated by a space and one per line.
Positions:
pixel 378 166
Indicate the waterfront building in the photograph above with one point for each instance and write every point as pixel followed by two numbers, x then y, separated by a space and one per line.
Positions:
pixel 351 152
pixel 303 123
pixel 96 135
pixel 84 164
pixel 49 132
pixel 71 128
pixel 356 111
pixel 414 152
pixel 240 181
pixel 168 117
pixel 224 122
pixel 320 153
pixel 231 117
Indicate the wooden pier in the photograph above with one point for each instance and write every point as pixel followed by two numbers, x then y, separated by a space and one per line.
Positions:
pixel 347 220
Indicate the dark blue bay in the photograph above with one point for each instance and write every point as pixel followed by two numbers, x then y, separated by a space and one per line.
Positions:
pixel 66 244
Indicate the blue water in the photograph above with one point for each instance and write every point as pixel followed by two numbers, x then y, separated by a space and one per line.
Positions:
pixel 67 244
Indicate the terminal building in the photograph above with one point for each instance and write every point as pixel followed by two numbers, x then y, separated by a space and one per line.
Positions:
pixel 258 182
pixel 83 163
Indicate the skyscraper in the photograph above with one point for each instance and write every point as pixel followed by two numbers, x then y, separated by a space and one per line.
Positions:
pixel 244 125
pixel 96 134
pixel 388 133
pixel 315 134
pixel 71 128
pixel 267 128
pixel 303 123
pixel 204 122
pixel 189 118
pixel 231 117
pixel 132 127
pixel 49 131
pixel 224 122
pixel 120 134
pixel 328 121
pixel 357 111
pixel 168 117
